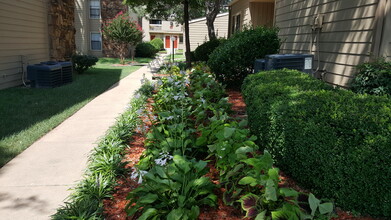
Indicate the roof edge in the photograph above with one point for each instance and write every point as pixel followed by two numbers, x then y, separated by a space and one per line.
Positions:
pixel 204 18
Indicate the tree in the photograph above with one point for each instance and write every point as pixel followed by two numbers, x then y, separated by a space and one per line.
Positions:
pixel 123 32
pixel 212 9
pixel 164 9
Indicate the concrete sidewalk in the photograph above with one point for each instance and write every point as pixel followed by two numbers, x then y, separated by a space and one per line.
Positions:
pixel 35 183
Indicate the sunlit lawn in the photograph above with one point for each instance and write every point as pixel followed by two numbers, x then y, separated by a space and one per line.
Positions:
pixel 27 114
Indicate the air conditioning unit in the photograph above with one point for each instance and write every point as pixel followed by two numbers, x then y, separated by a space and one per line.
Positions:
pixel 66 70
pixel 301 62
pixel 44 76
pixel 259 65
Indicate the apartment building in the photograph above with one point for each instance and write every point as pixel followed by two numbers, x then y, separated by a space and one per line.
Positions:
pixel 163 29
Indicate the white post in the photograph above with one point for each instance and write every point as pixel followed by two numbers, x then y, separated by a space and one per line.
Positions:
pixel 172 44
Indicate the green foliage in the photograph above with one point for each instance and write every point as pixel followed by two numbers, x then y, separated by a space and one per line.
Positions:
pixel 203 51
pixel 157 43
pixel 105 164
pixel 146 89
pixel 145 49
pixel 373 78
pixel 233 60
pixel 331 141
pixel 82 63
pixel 122 30
pixel 175 191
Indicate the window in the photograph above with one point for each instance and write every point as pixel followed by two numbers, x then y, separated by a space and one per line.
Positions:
pixel 155 22
pixel 95 9
pixel 181 39
pixel 96 41
pixel 237 26
pixel 233 24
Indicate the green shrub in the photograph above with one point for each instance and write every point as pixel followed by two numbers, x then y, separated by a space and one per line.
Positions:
pixel 82 63
pixel 145 49
pixel 233 61
pixel 203 51
pixel 373 78
pixel 334 142
pixel 157 43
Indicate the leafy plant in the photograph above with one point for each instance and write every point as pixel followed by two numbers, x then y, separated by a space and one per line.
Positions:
pixel 233 61
pixel 272 202
pixel 157 43
pixel 123 32
pixel 203 51
pixel 105 164
pixel 373 78
pixel 82 63
pixel 145 49
pixel 173 192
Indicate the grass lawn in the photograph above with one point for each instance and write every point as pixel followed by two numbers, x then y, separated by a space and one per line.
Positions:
pixel 177 57
pixel 27 114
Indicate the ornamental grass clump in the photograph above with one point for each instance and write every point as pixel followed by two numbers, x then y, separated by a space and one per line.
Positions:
pixel 123 32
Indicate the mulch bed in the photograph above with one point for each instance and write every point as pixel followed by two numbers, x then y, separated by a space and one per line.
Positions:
pixel 115 207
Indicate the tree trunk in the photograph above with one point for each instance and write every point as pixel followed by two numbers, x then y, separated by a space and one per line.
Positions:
pixel 187 35
pixel 212 10
pixel 211 28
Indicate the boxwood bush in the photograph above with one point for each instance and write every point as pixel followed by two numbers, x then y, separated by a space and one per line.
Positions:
pixel 82 63
pixel 203 51
pixel 334 142
pixel 373 78
pixel 145 49
pixel 157 43
pixel 234 60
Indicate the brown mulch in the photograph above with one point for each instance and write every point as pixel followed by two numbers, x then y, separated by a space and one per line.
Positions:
pixel 115 207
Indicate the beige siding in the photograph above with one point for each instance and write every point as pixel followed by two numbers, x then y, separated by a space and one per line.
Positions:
pixel 23 32
pixel 199 30
pixel 262 13
pixel 385 48
pixel 241 8
pixel 84 26
pixel 344 41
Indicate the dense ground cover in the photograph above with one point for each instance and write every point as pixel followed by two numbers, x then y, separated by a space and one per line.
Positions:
pixel 191 125
pixel 334 142
pixel 27 114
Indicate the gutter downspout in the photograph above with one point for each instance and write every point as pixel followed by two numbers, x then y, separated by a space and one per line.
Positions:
pixel 229 21
pixel 378 29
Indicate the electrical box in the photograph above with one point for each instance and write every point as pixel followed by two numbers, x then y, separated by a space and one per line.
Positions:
pixel 44 76
pixel 259 65
pixel 300 62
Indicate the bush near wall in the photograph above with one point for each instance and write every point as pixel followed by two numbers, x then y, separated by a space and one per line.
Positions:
pixel 145 49
pixel 234 60
pixel 203 51
pixel 373 78
pixel 334 142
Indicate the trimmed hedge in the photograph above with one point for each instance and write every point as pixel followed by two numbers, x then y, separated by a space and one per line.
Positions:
pixel 157 43
pixel 334 142
pixel 234 60
pixel 203 51
pixel 145 49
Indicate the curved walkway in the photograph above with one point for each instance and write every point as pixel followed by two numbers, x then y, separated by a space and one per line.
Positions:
pixel 36 182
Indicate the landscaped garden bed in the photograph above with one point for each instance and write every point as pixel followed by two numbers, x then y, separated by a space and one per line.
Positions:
pixel 193 157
